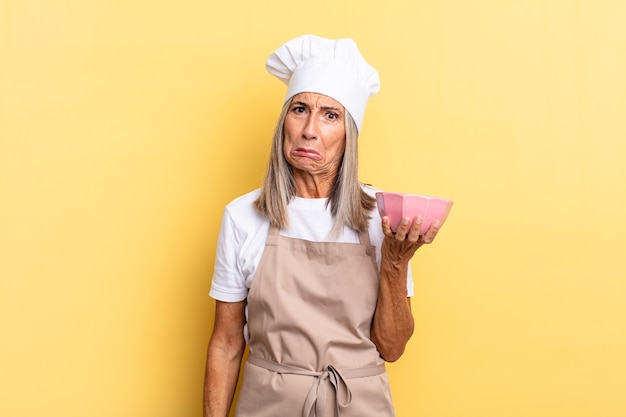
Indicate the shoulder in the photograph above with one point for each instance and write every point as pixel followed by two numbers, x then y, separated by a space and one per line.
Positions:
pixel 375 230
pixel 241 215
pixel 243 206
pixel 244 200
pixel 370 190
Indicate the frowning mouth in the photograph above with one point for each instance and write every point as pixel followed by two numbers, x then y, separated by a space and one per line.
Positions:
pixel 307 153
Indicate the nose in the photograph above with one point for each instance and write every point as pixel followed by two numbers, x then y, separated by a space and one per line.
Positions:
pixel 309 130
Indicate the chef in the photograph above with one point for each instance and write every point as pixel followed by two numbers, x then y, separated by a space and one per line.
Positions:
pixel 307 274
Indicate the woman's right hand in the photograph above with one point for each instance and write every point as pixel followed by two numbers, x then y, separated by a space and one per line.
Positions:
pixel 224 355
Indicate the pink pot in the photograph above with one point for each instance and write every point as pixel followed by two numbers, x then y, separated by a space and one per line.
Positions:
pixel 396 206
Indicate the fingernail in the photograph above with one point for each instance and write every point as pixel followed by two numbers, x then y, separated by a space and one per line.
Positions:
pixel 436 223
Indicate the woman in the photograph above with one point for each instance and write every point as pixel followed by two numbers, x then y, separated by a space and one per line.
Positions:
pixel 306 272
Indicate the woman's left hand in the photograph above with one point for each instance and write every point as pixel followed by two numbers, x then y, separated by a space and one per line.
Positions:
pixel 400 246
pixel 393 323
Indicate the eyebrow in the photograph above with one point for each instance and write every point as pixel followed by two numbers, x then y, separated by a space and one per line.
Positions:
pixel 337 109
pixel 302 103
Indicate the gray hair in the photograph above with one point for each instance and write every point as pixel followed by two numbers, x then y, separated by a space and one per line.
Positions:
pixel 349 204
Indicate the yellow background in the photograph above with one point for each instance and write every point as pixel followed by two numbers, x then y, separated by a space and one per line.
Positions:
pixel 126 126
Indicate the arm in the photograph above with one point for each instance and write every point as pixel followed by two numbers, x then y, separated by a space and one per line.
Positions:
pixel 224 356
pixel 392 325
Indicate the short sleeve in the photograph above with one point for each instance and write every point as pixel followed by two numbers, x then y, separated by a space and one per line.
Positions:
pixel 228 283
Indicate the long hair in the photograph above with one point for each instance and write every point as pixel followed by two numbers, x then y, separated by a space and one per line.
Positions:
pixel 349 204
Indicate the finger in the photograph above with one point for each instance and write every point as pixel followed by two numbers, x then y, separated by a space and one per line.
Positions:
pixel 386 225
pixel 432 232
pixel 403 228
pixel 414 232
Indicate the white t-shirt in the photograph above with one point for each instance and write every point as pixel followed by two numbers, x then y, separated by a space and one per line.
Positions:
pixel 243 233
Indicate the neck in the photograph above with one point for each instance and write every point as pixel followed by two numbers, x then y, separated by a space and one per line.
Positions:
pixel 313 186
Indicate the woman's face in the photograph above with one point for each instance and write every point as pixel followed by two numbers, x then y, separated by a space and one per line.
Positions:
pixel 314 135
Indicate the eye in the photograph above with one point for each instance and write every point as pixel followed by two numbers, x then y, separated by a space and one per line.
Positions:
pixel 332 115
pixel 298 109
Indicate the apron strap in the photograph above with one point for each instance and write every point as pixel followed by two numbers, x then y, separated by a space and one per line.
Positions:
pixel 273 231
pixel 364 237
pixel 316 398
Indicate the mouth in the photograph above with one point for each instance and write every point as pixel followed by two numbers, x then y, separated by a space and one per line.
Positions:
pixel 307 153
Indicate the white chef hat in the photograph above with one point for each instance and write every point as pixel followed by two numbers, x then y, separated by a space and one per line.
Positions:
pixel 334 68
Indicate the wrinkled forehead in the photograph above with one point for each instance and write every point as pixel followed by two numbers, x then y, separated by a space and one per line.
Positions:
pixel 317 100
